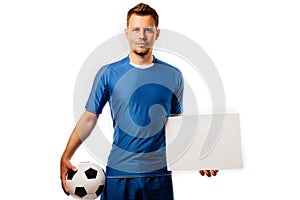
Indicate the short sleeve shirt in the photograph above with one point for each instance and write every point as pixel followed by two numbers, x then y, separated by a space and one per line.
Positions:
pixel 140 100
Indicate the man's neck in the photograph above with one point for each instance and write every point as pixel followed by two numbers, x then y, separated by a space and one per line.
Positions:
pixel 141 60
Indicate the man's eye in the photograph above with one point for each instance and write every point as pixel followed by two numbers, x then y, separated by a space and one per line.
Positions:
pixel 136 30
pixel 150 30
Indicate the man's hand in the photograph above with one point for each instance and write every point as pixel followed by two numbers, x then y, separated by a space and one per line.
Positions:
pixel 65 165
pixel 209 173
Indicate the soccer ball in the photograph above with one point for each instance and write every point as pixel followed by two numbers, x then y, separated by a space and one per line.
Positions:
pixel 87 182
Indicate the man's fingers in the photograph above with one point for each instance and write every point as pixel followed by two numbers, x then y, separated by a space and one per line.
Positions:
pixel 74 168
pixel 63 177
pixel 205 172
pixel 214 172
pixel 201 172
pixel 64 185
pixel 208 173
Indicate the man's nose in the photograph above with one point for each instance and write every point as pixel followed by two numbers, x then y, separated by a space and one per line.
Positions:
pixel 142 35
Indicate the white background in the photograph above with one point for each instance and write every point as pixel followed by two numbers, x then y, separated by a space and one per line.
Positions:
pixel 255 46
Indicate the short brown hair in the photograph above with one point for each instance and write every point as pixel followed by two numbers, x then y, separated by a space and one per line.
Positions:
pixel 143 9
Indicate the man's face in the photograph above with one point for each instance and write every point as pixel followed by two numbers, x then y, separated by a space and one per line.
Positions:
pixel 141 33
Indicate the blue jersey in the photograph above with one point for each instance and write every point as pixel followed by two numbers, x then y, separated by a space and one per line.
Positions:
pixel 140 101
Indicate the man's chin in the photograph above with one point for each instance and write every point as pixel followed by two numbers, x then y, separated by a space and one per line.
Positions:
pixel 141 52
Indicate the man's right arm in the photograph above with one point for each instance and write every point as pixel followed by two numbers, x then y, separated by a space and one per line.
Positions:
pixel 82 130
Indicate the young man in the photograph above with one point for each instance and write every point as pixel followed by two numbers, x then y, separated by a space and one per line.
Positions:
pixel 142 92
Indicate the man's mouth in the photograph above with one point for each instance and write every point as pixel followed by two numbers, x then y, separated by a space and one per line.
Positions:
pixel 142 44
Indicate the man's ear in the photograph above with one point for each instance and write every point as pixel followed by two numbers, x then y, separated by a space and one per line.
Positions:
pixel 157 34
pixel 126 32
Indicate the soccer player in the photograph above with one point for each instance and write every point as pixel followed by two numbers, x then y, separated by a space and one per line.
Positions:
pixel 142 92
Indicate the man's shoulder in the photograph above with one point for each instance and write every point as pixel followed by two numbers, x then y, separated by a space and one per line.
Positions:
pixel 108 68
pixel 118 63
pixel 172 67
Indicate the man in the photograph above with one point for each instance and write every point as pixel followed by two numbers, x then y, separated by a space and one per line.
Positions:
pixel 142 92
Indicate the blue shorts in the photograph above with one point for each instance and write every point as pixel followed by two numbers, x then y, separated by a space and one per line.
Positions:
pixel 158 188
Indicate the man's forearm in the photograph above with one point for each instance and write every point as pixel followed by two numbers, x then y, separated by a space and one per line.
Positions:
pixel 72 145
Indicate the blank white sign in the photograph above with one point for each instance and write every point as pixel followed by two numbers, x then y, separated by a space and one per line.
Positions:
pixel 204 142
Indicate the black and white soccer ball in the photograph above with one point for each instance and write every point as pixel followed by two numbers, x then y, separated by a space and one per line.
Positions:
pixel 86 183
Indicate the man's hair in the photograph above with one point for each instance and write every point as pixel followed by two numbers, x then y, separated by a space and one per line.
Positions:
pixel 142 9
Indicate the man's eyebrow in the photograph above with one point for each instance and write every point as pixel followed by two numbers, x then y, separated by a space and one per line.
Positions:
pixel 142 27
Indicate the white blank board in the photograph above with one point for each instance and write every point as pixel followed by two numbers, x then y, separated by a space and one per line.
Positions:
pixel 204 142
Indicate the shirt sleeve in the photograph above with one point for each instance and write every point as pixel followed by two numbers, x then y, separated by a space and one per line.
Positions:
pixel 177 99
pixel 99 94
